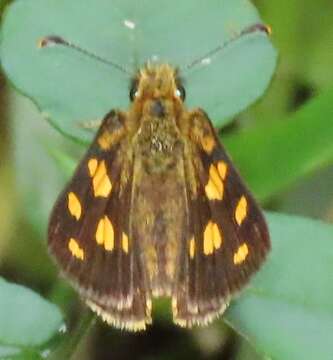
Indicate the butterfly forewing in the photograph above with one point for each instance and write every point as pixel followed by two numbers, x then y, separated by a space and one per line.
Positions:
pixel 89 232
pixel 227 237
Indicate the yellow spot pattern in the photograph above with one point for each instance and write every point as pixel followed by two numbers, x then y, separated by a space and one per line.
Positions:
pixel 241 210
pixel 222 168
pixel 208 144
pixel 110 137
pixel 92 166
pixel 214 188
pixel 124 243
pixel 192 248
pixel 101 183
pixel 75 249
pixel 212 238
pixel 241 254
pixel 104 140
pixel 105 234
pixel 74 206
pixel 217 237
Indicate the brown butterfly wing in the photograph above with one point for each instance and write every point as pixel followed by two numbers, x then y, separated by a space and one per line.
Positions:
pixel 227 237
pixel 89 233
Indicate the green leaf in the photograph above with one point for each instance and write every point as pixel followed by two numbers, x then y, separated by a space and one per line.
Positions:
pixel 6 351
pixel 11 353
pixel 26 319
pixel 38 180
pixel 272 157
pixel 64 162
pixel 71 88
pixel 287 312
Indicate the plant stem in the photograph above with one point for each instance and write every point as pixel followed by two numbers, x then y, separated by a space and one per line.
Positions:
pixel 68 347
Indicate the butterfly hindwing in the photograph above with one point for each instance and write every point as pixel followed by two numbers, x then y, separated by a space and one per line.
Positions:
pixel 227 237
pixel 89 233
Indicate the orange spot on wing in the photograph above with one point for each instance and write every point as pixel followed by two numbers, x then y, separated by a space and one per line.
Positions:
pixel 208 143
pixel 75 249
pixel 208 240
pixel 241 210
pixel 212 238
pixel 92 166
pixel 192 248
pixel 101 182
pixel 214 188
pixel 105 233
pixel 241 254
pixel 222 168
pixel 100 232
pixel 111 137
pixel 74 205
pixel 108 234
pixel 105 140
pixel 217 236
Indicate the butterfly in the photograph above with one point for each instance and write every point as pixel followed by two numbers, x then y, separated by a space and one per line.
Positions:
pixel 156 208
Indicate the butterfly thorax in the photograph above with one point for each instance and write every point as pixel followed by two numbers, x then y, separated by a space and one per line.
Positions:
pixel 158 143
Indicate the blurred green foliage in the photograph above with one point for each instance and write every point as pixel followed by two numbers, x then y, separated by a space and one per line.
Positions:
pixel 280 144
pixel 285 151
pixel 244 67
pixel 287 307
pixel 27 320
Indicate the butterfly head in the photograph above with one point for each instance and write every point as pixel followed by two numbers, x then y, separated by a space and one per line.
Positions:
pixel 157 88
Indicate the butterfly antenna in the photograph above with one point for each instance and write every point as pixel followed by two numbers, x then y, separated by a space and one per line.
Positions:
pixel 249 30
pixel 54 40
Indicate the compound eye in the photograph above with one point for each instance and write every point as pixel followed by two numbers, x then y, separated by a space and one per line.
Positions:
pixel 133 92
pixel 180 92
